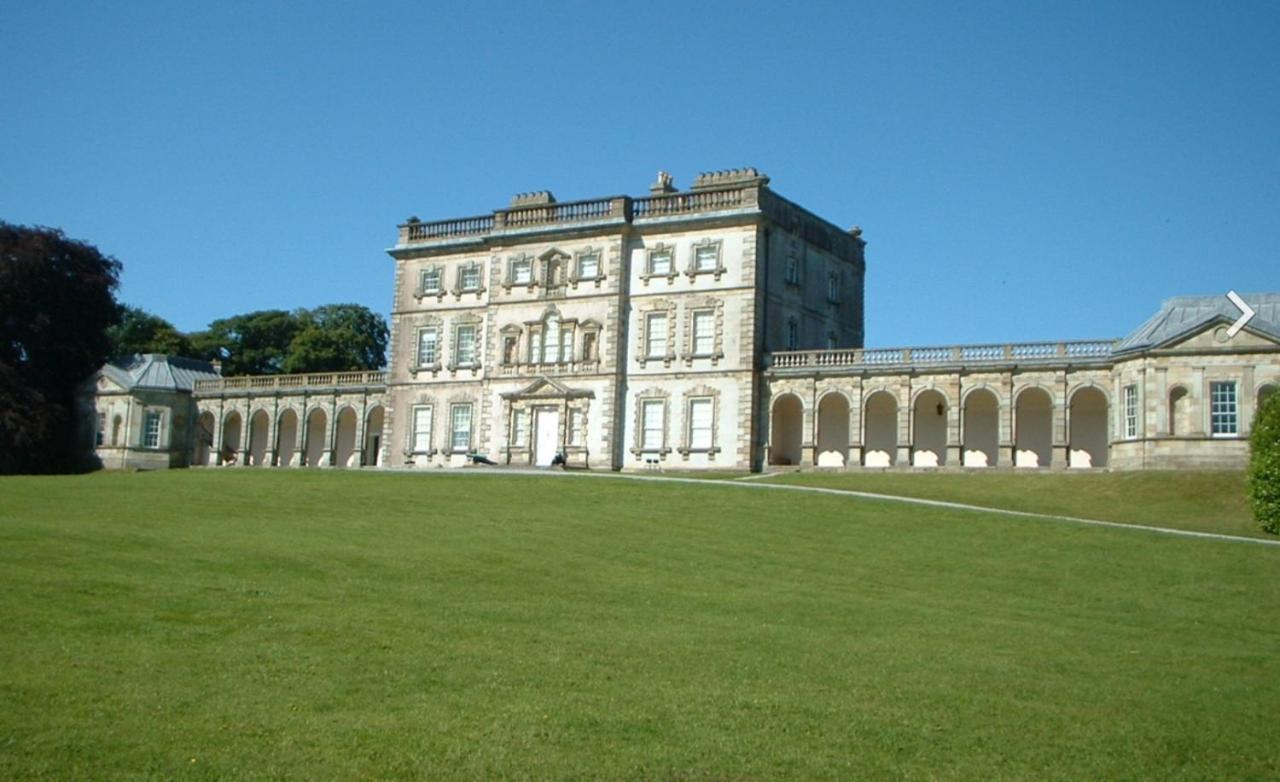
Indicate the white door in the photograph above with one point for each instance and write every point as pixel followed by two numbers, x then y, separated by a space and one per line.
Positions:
pixel 546 436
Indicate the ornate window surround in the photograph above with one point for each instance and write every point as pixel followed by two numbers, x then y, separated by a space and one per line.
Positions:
pixel 693 271
pixel 586 327
pixel 456 401
pixel 509 330
pixel 420 292
pixel 716 306
pixel 687 399
pixel 509 281
pixel 794 268
pixel 577 276
pixel 410 434
pixel 429 322
pixel 458 290
pixel 652 395
pixel 465 320
pixel 537 328
pixel 668 308
pixel 659 248
pixel 561 260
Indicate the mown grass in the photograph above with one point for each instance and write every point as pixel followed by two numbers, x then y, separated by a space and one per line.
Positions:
pixel 1205 501
pixel 304 625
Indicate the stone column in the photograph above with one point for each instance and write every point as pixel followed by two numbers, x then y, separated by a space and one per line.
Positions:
pixel 955 435
pixel 904 423
pixel 1061 418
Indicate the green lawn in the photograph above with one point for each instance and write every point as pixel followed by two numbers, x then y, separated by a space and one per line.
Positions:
pixel 314 625
pixel 1204 501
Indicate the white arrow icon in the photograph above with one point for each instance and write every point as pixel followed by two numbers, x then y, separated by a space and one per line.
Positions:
pixel 1246 314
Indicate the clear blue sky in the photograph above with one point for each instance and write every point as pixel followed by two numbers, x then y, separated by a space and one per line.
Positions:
pixel 1020 170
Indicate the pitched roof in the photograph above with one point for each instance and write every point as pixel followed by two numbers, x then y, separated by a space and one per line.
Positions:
pixel 1182 316
pixel 154 370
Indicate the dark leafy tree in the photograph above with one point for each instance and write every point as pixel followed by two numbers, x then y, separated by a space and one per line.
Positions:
pixel 1264 465
pixel 141 332
pixel 337 338
pixel 57 301
pixel 256 343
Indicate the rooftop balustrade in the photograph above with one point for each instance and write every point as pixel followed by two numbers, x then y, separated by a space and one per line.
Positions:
pixel 267 383
pixel 1014 353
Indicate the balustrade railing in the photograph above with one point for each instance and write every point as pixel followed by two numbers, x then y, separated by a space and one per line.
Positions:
pixel 558 368
pixel 1011 353
pixel 292 382
pixel 462 226
pixel 680 203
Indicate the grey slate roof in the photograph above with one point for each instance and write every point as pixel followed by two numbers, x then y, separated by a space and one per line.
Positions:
pixel 1182 316
pixel 154 370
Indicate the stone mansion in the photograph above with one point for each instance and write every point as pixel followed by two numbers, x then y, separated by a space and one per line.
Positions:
pixel 715 328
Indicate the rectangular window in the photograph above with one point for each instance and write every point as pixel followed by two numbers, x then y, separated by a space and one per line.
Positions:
pixel 576 425
pixel 469 278
pixel 508 350
pixel 460 425
pixel 1130 411
pixel 102 428
pixel 833 288
pixel 831 340
pixel 589 267
pixel 655 333
pixel 793 270
pixel 660 262
pixel 464 349
pixel 151 429
pixel 422 428
pixel 793 335
pixel 522 271
pixel 652 424
pixel 706 258
pixel 566 345
pixel 700 424
pixel 431 281
pixel 520 435
pixel 704 332
pixel 1223 418
pixel 428 347
pixel 588 346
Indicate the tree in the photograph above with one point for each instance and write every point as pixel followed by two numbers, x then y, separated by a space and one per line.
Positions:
pixel 337 338
pixel 141 332
pixel 1264 465
pixel 255 343
pixel 57 300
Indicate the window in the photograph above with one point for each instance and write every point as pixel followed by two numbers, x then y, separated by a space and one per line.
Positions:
pixel 464 349
pixel 102 429
pixel 833 288
pixel 521 271
pixel 1222 408
pixel 508 350
pixel 793 269
pixel 422 428
pixel 660 262
pixel 551 340
pixel 588 267
pixel 576 426
pixel 469 278
pixel 706 258
pixel 460 419
pixel 700 416
pixel 831 340
pixel 704 332
pixel 652 424
pixel 428 347
pixel 151 429
pixel 588 346
pixel 566 344
pixel 520 429
pixel 793 334
pixel 1130 411
pixel 431 280
pixel 552 276
pixel 655 335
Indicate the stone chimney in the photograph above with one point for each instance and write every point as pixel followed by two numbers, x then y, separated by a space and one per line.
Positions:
pixel 729 178
pixel 536 198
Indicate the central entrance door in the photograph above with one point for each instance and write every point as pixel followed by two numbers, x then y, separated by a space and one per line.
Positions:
pixel 546 435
